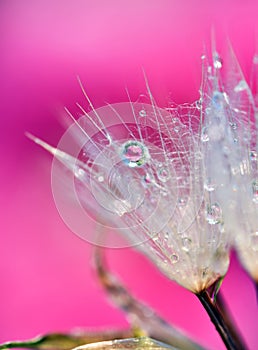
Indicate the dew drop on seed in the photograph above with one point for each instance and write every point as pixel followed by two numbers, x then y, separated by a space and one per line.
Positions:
pixel 186 244
pixel 209 185
pixel 198 104
pixel 255 191
pixel 174 258
pixel 142 113
pixel 163 174
pixel 100 178
pixel 79 172
pixel 204 134
pixel 217 63
pixel 177 128
pixel 253 156
pixel 134 153
pixel 166 236
pixel 233 126
pixel 214 214
pixel 147 180
pixel 182 201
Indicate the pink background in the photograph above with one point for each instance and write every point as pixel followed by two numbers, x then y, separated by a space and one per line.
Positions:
pixel 46 281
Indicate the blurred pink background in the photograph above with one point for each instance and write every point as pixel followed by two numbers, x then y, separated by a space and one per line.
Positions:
pixel 46 281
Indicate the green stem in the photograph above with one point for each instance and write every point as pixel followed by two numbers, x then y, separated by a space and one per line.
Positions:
pixel 219 322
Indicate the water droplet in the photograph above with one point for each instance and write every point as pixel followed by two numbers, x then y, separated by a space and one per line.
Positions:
pixel 186 244
pixel 255 191
pixel 174 258
pixel 233 125
pixel 147 180
pixel 177 128
pixel 253 156
pixel 241 86
pixel 79 172
pixel 254 241
pixel 174 120
pixel 217 62
pixel 209 185
pixel 100 178
pixel 214 214
pixel 166 235
pixel 198 104
pixel 142 113
pixel 204 134
pixel 182 201
pixel 155 237
pixel 134 154
pixel 163 174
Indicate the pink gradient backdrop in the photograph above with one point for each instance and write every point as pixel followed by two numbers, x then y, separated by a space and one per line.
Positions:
pixel 46 282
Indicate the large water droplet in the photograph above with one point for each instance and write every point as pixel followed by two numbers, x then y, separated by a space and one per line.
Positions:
pixel 214 214
pixel 255 191
pixel 134 153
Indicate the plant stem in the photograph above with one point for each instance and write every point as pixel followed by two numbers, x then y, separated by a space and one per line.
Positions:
pixel 219 322
pixel 235 333
pixel 256 289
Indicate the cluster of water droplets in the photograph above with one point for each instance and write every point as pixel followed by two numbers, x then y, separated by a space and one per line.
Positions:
pixel 229 145
pixel 180 182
